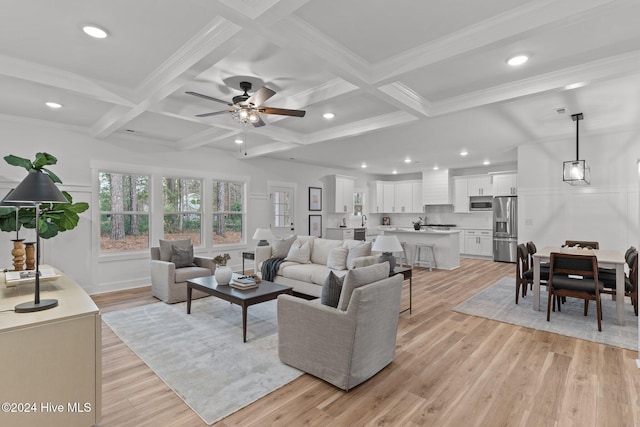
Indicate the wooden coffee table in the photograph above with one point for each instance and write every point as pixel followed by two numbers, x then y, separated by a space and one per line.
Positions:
pixel 266 291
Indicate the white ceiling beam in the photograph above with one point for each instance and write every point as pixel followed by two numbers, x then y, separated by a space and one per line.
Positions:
pixel 360 127
pixel 405 95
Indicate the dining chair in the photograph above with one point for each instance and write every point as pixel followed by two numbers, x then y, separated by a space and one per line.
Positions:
pixel 522 266
pixel 544 266
pixel 575 276
pixel 582 244
pixel 630 280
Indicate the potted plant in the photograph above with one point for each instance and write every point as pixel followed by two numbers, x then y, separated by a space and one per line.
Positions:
pixel 417 224
pixel 223 273
pixel 54 217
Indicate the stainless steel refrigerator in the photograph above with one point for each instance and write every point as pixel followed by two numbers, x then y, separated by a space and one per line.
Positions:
pixel 505 228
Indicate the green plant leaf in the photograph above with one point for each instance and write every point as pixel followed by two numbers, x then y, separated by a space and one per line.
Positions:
pixel 48 229
pixel 18 161
pixel 43 159
pixel 79 207
pixel 52 175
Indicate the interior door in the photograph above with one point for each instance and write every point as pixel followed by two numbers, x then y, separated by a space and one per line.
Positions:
pixel 282 210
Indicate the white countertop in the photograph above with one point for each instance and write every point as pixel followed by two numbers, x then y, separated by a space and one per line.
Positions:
pixel 422 231
pixel 345 228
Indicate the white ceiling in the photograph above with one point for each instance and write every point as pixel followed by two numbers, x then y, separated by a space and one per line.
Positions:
pixel 404 78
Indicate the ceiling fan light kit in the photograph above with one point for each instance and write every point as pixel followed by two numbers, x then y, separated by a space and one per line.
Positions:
pixel 247 108
pixel 576 172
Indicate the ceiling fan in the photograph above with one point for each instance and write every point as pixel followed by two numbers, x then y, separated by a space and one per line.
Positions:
pixel 246 108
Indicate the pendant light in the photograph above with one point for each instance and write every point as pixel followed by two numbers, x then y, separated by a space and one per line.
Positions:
pixel 576 172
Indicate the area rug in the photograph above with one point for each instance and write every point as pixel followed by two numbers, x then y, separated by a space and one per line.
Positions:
pixel 201 356
pixel 497 302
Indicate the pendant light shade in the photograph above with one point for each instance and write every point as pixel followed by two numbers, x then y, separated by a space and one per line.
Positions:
pixel 576 172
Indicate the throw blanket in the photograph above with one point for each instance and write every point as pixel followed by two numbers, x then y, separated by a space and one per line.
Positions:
pixel 270 268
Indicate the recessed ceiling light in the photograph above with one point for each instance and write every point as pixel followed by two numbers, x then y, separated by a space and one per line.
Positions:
pixel 395 171
pixel 435 168
pixel 464 153
pixel 575 85
pixel 407 160
pixel 363 165
pixel 328 115
pixel 486 162
pixel 53 105
pixel 95 32
pixel 238 141
pixel 514 61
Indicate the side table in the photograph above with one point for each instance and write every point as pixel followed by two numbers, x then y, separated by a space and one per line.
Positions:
pixel 251 255
pixel 407 273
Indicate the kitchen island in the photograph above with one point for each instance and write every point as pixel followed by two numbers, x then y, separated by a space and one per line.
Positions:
pixel 447 244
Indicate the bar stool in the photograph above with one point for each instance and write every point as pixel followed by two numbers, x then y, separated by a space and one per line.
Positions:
pixel 430 249
pixel 402 259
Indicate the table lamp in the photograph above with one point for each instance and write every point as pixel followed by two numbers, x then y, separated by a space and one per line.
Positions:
pixel 387 245
pixel 262 234
pixel 35 189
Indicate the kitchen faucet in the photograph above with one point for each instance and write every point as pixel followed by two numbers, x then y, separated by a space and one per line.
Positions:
pixel 364 218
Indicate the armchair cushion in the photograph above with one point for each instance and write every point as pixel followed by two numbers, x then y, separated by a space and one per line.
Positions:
pixel 165 247
pixel 331 290
pixel 360 277
pixel 182 257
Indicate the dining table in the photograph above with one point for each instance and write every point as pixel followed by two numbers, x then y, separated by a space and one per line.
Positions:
pixel 605 258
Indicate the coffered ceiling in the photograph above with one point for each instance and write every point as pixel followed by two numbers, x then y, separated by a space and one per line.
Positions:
pixel 403 78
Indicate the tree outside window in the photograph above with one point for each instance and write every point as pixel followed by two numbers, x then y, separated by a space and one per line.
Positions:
pixel 124 212
pixel 182 209
pixel 228 212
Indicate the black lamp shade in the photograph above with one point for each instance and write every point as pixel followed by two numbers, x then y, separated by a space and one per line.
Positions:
pixel 37 187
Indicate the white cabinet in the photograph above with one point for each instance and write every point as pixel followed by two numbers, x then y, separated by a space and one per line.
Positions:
pixel 460 195
pixel 435 187
pixel 505 184
pixel 398 197
pixel 478 242
pixel 479 185
pixel 339 233
pixel 339 193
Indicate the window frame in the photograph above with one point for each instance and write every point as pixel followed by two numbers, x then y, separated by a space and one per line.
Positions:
pixel 200 212
pixel 212 212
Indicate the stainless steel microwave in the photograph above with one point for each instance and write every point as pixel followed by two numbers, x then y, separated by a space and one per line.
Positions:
pixel 480 203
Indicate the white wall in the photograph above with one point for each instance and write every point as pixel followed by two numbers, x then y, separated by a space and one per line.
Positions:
pixel 551 211
pixel 76 252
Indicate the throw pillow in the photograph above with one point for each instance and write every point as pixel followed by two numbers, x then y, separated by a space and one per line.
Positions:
pixel 182 257
pixel 281 247
pixel 165 247
pixel 337 259
pixel 321 249
pixel 331 289
pixel 360 277
pixel 363 249
pixel 299 252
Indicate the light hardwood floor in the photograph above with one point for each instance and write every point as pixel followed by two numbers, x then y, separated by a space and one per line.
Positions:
pixel 450 370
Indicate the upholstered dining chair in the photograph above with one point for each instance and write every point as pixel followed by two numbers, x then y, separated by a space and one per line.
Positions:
pixel 630 280
pixel 565 271
pixel 582 244
pixel 544 267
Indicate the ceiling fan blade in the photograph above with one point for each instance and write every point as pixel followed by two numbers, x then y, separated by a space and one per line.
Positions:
pixel 210 98
pixel 212 114
pixel 261 96
pixel 259 123
pixel 282 111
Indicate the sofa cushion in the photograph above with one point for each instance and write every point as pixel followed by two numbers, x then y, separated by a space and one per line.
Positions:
pixel 338 258
pixel 299 252
pixel 306 272
pixel 360 277
pixel 182 257
pixel 363 249
pixel 331 290
pixel 321 249
pixel 165 247
pixel 186 273
pixel 281 247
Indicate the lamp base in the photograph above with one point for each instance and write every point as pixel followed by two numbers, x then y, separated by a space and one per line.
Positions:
pixel 30 307
pixel 263 243
pixel 386 256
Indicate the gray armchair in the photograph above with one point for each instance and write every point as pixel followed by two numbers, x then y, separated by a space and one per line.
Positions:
pixel 344 348
pixel 169 283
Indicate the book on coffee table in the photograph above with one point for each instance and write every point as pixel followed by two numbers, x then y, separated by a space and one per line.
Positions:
pixel 243 286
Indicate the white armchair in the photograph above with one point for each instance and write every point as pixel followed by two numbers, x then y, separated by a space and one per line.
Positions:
pixel 344 348
pixel 169 283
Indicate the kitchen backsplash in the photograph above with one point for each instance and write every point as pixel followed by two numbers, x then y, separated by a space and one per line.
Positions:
pixel 437 215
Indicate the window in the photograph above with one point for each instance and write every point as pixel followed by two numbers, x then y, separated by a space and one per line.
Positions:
pixel 182 209
pixel 124 212
pixel 228 212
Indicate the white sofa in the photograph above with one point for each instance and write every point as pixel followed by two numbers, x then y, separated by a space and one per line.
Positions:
pixel 308 278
